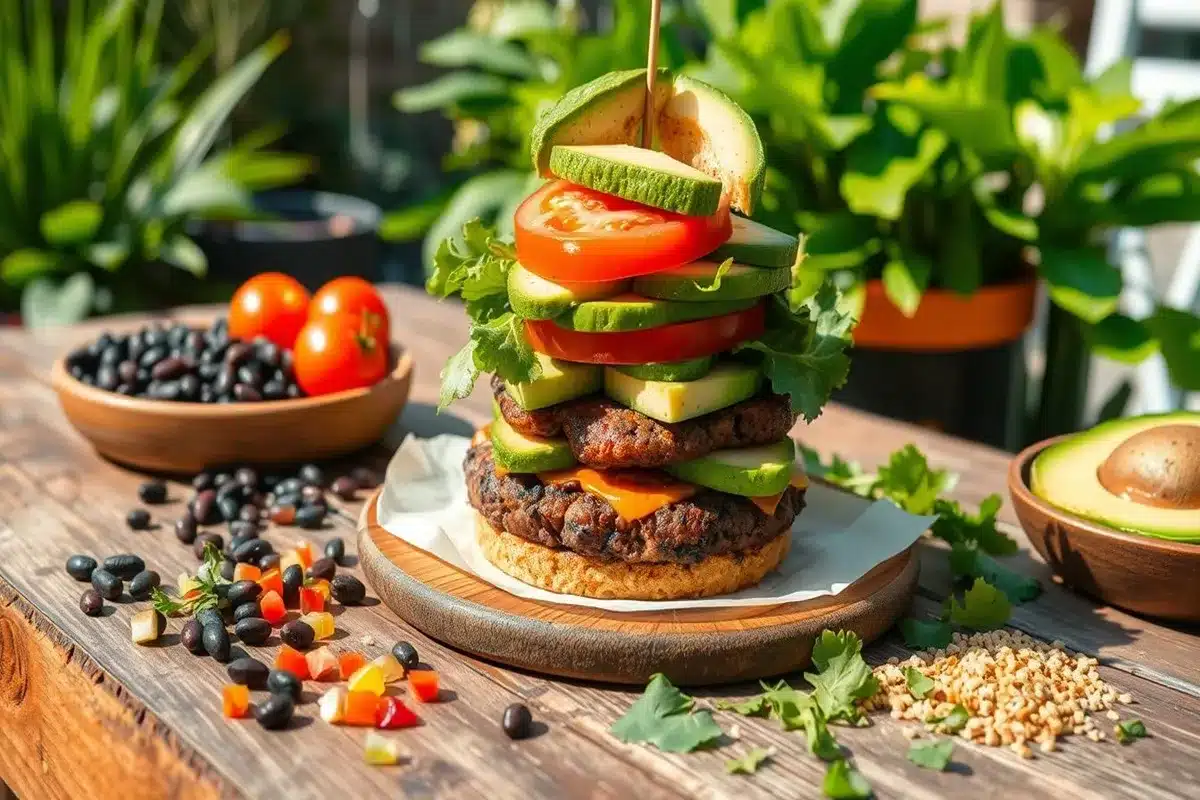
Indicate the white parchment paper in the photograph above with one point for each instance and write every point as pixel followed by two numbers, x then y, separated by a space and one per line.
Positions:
pixel 836 540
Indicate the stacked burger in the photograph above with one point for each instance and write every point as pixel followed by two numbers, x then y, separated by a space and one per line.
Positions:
pixel 650 347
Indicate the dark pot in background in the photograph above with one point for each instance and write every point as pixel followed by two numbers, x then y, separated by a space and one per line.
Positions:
pixel 956 366
pixel 312 236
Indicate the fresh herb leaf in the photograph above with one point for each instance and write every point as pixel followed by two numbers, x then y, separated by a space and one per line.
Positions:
pixel 956 526
pixel 843 677
pixel 821 742
pixel 749 763
pixel 458 376
pixel 787 704
pixel 663 716
pixel 844 782
pixel 968 561
pixel 830 645
pixel 922 634
pixel 954 721
pixel 932 755
pixel 1129 729
pixel 919 684
pixel 984 607
pixel 908 481
pixel 716 281
pixel 165 605
pixel 755 706
pixel 498 346
pixel 803 352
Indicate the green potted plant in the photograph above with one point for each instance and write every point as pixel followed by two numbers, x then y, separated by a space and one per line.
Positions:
pixel 106 157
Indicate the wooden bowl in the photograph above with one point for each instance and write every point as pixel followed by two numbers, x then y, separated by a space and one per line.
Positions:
pixel 167 436
pixel 1154 577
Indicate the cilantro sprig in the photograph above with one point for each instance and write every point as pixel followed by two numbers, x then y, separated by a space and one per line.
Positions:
pixel 749 763
pixel 204 594
pixel 932 754
pixel 664 717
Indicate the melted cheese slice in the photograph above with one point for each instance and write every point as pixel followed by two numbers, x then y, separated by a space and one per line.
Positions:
pixel 633 494
pixel 769 503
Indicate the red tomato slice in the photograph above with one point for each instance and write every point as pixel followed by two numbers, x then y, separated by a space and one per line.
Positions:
pixel 569 233
pixel 677 342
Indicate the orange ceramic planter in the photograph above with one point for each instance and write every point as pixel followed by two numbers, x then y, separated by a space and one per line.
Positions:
pixel 946 321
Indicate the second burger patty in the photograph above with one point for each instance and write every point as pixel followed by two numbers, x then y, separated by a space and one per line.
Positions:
pixel 565 516
pixel 605 434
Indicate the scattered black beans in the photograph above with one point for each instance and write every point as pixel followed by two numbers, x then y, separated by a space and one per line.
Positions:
pixel 250 551
pixel 216 642
pixel 253 630
pixel 312 496
pixel 205 508
pixel 311 517
pixel 249 513
pixel 143 584
pixel 348 590
pixel 185 528
pixel 227 568
pixel 312 475
pixel 247 610
pixel 240 529
pixel 81 567
pixel 344 487
pixel 248 672
pixel 268 562
pixel 229 506
pixel 406 654
pixel 124 565
pixel 91 603
pixel 286 486
pixel 335 549
pixel 106 584
pixel 192 636
pixel 205 539
pixel 210 616
pixel 297 634
pixel 293 579
pixel 246 477
pixel 138 519
pixel 276 712
pixel 202 481
pixel 323 569
pixel 280 681
pixel 241 591
pixel 364 477
pixel 153 492
pixel 517 722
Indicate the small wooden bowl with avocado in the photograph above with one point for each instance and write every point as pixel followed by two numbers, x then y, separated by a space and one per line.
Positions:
pixel 1115 511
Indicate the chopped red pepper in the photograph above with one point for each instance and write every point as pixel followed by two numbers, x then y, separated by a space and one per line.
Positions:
pixel 360 709
pixel 311 600
pixel 322 664
pixel 322 587
pixel 272 608
pixel 271 581
pixel 246 572
pixel 235 701
pixel 292 661
pixel 348 664
pixel 424 685
pixel 391 713
pixel 305 554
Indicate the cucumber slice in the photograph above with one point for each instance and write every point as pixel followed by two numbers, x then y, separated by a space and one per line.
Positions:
pixel 748 472
pixel 643 176
pixel 631 312
pixel 560 381
pixel 690 282
pixel 534 297
pixel 669 371
pixel 516 452
pixel 676 401
pixel 757 245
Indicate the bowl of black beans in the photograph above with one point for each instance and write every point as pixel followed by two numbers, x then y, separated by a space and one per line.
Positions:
pixel 179 396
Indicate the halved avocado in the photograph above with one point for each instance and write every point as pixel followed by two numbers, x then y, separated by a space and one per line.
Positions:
pixel 643 176
pixel 694 282
pixel 632 312
pixel 749 471
pixel 757 245
pixel 1096 475
pixel 534 297
pixel 517 452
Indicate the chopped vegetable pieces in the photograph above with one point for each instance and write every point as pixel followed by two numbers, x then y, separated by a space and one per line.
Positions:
pixel 321 587
pixel 368 678
pixel 360 709
pixel 424 685
pixel 304 552
pixel 235 701
pixel 393 670
pixel 271 581
pixel 321 622
pixel 272 608
pixel 246 572
pixel 382 751
pixel 292 661
pixel 332 705
pixel 311 600
pixel 322 665
pixel 146 626
pixel 348 664
pixel 288 559
pixel 391 713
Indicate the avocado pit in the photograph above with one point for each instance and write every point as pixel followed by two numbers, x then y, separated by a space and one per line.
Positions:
pixel 1157 467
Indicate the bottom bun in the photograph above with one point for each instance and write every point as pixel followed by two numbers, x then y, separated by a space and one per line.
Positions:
pixel 566 572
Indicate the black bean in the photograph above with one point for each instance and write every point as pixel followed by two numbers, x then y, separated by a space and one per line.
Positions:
pixel 192 636
pixel 185 528
pixel 312 475
pixel 276 712
pixel 292 499
pixel 204 540
pixel 280 681
pixel 91 603
pixel 189 388
pixel 205 508
pixel 124 565
pixel 241 591
pixel 81 567
pixel 310 517
pixel 365 477
pixel 169 369
pixel 251 374
pixel 247 610
pixel 227 568
pixel 127 372
pixel 109 586
pixel 222 478
pixel 210 616
pixel 164 390
pixel 246 477
pixel 216 642
pixel 237 353
pixel 226 378
pixel 348 590
pixel 312 496
pixel 323 569
pixel 335 548
pixel 274 390
pixel 138 519
pixel 251 551
pixel 229 506
pixel 248 672
pixel 297 634
pixel 152 357
pixel 245 393
pixel 268 562
pixel 406 654
pixel 344 487
pixel 241 529
pixel 288 486
pixel 517 722
pixel 126 390
pixel 153 492
pixel 293 579
pixel 143 584
pixel 253 630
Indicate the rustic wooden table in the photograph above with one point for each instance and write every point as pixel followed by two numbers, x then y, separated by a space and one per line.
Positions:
pixel 85 713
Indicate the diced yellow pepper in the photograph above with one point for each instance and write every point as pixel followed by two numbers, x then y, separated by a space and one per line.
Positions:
pixel 381 750
pixel 368 678
pixel 287 559
pixel 332 705
pixel 393 670
pixel 321 622
pixel 323 587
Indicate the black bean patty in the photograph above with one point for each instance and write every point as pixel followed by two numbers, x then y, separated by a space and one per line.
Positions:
pixel 605 434
pixel 564 516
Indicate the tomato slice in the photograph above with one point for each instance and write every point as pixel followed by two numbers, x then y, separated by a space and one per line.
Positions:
pixel 677 342
pixel 566 232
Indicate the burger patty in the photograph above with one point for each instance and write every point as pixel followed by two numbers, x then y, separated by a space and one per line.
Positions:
pixel 605 434
pixel 565 516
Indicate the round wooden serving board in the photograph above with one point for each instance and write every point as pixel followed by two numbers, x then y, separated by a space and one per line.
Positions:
pixel 691 646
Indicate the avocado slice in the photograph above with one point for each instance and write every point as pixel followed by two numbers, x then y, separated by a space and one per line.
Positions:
pixel 1066 475
pixel 534 297
pixel 632 312
pixel 643 176
pixel 691 282
pixel 560 381
pixel 516 452
pixel 757 245
pixel 676 401
pixel 748 472
pixel 689 370
pixel 696 124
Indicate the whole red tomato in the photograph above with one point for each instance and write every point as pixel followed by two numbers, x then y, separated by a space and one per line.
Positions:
pixel 354 296
pixel 333 354
pixel 273 305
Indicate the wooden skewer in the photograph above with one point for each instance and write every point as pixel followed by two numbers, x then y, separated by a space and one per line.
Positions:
pixel 651 75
